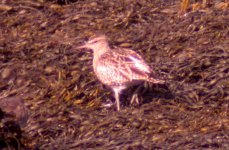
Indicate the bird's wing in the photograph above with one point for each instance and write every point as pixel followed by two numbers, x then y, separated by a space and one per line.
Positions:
pixel 139 67
pixel 134 60
pixel 120 67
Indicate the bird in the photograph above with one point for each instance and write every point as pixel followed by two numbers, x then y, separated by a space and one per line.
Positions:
pixel 117 68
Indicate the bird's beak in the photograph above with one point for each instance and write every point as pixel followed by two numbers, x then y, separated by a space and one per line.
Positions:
pixel 85 45
pixel 82 46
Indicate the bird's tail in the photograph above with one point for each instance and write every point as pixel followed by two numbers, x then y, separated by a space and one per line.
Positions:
pixel 158 81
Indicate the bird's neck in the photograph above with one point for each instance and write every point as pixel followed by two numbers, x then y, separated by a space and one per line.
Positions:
pixel 99 51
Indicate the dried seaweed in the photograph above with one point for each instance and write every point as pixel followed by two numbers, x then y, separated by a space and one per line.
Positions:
pixel 39 63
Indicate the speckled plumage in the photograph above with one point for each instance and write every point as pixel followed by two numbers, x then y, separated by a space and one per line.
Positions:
pixel 118 68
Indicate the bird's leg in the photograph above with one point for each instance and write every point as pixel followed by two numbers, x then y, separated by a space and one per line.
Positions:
pixel 116 92
pixel 147 86
pixel 135 97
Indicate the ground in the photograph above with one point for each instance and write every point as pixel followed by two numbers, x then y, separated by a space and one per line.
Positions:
pixel 68 107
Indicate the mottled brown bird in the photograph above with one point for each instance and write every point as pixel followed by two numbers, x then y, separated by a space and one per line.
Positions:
pixel 118 68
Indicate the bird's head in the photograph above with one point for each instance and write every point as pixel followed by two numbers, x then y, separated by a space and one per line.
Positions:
pixel 96 43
